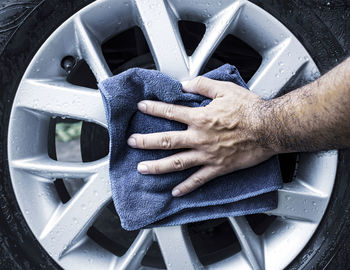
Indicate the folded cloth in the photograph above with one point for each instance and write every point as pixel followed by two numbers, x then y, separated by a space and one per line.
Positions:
pixel 146 200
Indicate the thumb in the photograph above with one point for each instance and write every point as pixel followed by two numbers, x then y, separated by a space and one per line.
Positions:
pixel 203 86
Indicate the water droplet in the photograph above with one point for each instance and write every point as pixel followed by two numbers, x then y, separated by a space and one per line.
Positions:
pixel 328 3
pixel 83 206
pixel 280 63
pixel 300 58
pixel 276 41
pixel 314 203
pixel 281 70
pixel 75 220
pixel 305 210
pixel 26 211
pixel 288 197
pixel 95 193
pixel 306 58
pixel 289 54
pixel 277 75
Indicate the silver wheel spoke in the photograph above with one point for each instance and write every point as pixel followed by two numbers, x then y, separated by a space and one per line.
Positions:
pixel 176 248
pixel 217 28
pixel 298 201
pixel 159 25
pixel 70 221
pixel 60 98
pixel 250 243
pixel 133 257
pixel 277 68
pixel 90 50
pixel 48 168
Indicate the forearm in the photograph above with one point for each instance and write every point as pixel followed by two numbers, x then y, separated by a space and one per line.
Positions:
pixel 312 118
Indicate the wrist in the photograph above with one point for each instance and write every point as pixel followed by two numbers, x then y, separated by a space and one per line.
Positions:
pixel 267 126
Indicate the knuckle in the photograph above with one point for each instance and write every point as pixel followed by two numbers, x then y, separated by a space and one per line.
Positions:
pixel 197 181
pixel 178 163
pixel 185 187
pixel 219 161
pixel 201 118
pixel 165 142
pixel 201 140
pixel 140 142
pixel 154 168
pixel 198 81
pixel 169 111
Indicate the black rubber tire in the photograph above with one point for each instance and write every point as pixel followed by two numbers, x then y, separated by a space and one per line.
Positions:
pixel 321 26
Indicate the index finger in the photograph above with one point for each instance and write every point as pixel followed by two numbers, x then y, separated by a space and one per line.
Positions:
pixel 165 110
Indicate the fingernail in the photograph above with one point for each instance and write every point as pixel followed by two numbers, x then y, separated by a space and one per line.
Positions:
pixel 142 168
pixel 132 142
pixel 175 192
pixel 141 106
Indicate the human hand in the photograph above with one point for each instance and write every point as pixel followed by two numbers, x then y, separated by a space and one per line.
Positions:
pixel 222 137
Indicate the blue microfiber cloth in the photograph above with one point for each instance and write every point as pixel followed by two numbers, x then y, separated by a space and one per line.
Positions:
pixel 146 200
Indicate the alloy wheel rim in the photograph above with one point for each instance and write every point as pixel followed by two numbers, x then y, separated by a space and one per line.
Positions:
pixel 44 93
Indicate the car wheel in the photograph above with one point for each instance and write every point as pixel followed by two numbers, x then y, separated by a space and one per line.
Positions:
pixel 57 213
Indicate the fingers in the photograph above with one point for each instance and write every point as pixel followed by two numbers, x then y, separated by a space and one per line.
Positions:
pixel 177 162
pixel 161 140
pixel 169 111
pixel 204 86
pixel 196 180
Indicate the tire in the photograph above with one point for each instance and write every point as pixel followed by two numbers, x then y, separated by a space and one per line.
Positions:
pixel 321 27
